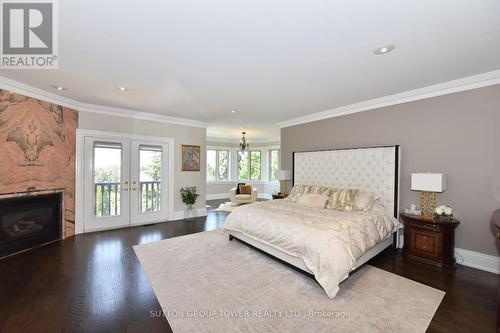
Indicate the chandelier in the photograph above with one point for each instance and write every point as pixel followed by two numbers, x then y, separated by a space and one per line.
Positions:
pixel 244 143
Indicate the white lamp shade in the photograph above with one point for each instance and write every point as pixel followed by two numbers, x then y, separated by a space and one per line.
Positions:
pixel 430 182
pixel 284 175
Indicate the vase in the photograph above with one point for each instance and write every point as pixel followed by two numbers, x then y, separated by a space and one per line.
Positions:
pixel 190 213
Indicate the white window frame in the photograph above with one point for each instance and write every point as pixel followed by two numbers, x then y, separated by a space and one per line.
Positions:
pixel 270 172
pixel 217 165
pixel 249 165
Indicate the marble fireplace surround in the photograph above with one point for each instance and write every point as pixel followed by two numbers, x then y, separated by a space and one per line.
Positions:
pixel 38 151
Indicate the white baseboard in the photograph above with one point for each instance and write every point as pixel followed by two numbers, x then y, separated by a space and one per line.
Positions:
pixel 179 215
pixel 478 260
pixel 218 196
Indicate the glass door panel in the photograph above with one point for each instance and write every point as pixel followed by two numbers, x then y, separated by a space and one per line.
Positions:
pixel 150 178
pixel 107 179
pixel 149 174
pixel 106 183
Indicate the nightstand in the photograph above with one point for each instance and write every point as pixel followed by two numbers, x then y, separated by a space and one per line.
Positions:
pixel 430 241
pixel 279 196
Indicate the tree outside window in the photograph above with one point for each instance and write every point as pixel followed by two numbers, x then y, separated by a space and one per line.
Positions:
pixel 274 164
pixel 249 165
pixel 255 165
pixel 217 165
pixel 223 165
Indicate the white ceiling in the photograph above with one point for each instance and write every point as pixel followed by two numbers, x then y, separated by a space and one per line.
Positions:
pixel 268 60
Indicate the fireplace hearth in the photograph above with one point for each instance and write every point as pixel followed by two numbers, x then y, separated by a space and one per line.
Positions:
pixel 29 221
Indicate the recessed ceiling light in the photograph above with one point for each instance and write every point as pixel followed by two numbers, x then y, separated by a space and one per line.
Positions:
pixel 232 111
pixel 60 88
pixel 122 88
pixel 384 49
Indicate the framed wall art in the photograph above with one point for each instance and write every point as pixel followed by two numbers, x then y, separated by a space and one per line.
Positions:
pixel 191 157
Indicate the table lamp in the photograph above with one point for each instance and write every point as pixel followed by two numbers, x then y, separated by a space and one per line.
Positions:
pixel 428 184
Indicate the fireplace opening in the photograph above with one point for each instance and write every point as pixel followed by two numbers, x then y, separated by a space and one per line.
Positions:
pixel 29 221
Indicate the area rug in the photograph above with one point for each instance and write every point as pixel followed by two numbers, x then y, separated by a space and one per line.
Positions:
pixel 226 207
pixel 206 283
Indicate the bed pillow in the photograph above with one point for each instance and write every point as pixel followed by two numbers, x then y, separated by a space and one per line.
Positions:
pixel 323 190
pixel 297 192
pixel 364 201
pixel 313 200
pixel 342 199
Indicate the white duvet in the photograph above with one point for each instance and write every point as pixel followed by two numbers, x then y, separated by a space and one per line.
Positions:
pixel 328 241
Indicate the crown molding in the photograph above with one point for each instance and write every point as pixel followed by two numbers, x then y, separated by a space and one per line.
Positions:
pixel 445 88
pixel 236 141
pixel 139 115
pixel 30 91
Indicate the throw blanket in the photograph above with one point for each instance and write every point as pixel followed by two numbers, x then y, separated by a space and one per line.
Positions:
pixel 328 241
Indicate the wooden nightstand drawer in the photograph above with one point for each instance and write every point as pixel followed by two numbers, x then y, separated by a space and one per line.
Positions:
pixel 424 243
pixel 429 241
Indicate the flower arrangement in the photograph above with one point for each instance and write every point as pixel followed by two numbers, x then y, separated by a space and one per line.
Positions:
pixel 444 211
pixel 189 195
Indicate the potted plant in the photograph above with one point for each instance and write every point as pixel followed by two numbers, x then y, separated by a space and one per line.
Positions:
pixel 189 196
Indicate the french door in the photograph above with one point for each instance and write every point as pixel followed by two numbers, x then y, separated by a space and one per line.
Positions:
pixel 125 182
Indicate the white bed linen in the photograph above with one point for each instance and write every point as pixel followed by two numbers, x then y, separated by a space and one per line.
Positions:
pixel 328 241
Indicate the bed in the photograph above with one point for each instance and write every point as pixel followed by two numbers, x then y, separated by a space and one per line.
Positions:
pixel 327 243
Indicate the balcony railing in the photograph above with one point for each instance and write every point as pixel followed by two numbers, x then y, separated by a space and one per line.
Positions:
pixel 150 196
pixel 108 197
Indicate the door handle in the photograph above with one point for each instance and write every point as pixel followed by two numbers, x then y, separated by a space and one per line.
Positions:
pixel 125 189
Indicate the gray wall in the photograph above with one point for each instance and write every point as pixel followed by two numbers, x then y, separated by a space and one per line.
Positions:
pixel 181 134
pixel 457 134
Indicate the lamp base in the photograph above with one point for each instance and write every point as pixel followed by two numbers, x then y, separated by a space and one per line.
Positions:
pixel 428 203
pixel 284 186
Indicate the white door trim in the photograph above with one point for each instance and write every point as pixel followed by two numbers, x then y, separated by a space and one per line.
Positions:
pixel 80 167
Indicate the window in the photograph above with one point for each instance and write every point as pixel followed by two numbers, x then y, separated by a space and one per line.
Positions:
pixel 217 165
pixel 223 165
pixel 150 178
pixel 107 179
pixel 243 167
pixel 249 165
pixel 274 164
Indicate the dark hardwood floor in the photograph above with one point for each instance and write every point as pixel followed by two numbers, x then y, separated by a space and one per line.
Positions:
pixel 94 283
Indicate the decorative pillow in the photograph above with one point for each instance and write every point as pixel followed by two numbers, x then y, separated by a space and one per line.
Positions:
pixel 245 189
pixel 299 190
pixel 238 188
pixel 313 200
pixel 296 192
pixel 323 190
pixel 342 199
pixel 364 201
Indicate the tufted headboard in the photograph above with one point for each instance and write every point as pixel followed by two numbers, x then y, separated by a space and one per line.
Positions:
pixel 373 169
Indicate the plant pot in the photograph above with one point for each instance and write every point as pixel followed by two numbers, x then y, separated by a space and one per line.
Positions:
pixel 190 214
pixel 444 217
